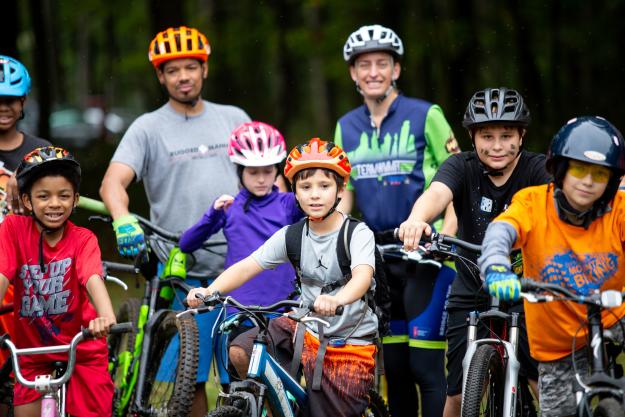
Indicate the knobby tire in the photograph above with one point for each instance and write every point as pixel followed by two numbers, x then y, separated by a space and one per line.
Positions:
pixel 166 397
pixel 483 393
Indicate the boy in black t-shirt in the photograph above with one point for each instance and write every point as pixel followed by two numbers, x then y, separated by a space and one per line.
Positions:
pixel 14 87
pixel 480 183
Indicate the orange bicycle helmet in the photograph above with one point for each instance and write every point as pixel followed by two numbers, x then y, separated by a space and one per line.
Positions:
pixel 181 42
pixel 317 153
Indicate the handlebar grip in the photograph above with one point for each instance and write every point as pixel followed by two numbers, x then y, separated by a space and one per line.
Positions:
pixel 126 327
pixel 114 329
pixel 338 312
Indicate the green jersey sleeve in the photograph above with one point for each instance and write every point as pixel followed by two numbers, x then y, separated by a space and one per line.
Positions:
pixel 338 140
pixel 440 142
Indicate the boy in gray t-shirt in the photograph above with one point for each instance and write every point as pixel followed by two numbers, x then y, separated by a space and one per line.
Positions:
pixel 318 171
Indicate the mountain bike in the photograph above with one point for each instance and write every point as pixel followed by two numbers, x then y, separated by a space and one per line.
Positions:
pixel 601 391
pixel 267 381
pixel 491 382
pixel 53 387
pixel 151 376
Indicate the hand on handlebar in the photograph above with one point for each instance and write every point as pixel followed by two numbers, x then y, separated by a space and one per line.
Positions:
pixel 195 297
pixel 410 233
pixel 502 283
pixel 326 305
pixel 130 236
pixel 99 327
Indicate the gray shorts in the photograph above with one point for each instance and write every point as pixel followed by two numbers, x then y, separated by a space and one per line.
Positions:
pixel 556 380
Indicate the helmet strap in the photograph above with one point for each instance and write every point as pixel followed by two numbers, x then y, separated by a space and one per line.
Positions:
pixel 574 217
pixel 328 214
pixel 383 97
pixel 44 230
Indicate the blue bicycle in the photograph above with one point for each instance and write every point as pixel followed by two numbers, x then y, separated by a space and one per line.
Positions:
pixel 267 382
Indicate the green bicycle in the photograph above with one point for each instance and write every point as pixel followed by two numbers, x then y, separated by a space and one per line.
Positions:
pixel 154 370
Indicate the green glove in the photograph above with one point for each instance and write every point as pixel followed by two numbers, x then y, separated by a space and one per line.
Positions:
pixel 130 237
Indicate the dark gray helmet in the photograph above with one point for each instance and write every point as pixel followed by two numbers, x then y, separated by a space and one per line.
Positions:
pixel 496 105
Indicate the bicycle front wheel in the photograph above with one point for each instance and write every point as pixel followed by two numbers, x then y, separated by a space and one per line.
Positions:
pixel 225 411
pixel 172 367
pixel 609 407
pixel 483 393
pixel 377 406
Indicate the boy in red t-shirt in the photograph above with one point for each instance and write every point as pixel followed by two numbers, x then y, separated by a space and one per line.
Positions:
pixel 55 267
pixel 571 233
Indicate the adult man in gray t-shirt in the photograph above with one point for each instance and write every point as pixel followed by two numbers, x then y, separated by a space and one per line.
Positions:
pixel 179 152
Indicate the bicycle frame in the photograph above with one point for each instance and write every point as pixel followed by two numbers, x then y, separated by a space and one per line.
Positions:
pixel 53 389
pixel 600 382
pixel 507 349
pixel 276 379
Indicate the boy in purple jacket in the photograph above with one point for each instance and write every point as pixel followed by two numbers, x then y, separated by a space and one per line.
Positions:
pixel 255 214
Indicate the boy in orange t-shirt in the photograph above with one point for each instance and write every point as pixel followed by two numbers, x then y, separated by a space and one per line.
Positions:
pixel 571 233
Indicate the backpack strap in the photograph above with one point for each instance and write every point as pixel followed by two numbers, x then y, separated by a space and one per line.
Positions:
pixel 293 241
pixel 342 244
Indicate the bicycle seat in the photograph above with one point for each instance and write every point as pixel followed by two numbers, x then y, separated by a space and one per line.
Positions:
pixel 59 368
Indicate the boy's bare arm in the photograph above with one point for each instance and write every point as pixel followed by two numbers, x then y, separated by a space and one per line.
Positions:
pixel 104 308
pixel 450 221
pixel 431 203
pixel 354 290
pixel 231 279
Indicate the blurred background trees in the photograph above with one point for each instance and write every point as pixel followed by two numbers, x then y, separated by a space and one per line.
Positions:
pixel 281 61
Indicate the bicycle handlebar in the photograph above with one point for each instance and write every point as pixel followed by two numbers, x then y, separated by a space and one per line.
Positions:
pixel 217 298
pixel 607 298
pixel 45 384
pixel 442 242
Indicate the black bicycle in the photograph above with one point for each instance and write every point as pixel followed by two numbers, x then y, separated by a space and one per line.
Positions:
pixel 601 391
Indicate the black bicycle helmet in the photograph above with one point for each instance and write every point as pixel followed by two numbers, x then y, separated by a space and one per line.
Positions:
pixel 496 105
pixel 38 162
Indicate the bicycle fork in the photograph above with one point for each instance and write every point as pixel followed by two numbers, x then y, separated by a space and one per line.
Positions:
pixel 511 361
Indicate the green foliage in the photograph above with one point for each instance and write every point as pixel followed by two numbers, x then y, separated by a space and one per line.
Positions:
pixel 281 60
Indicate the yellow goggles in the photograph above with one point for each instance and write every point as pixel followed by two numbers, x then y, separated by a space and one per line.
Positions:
pixel 581 170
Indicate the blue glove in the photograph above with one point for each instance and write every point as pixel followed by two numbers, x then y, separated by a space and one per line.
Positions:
pixel 502 283
pixel 130 238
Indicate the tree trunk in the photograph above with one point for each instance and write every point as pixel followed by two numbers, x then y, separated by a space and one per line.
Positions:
pixel 9 29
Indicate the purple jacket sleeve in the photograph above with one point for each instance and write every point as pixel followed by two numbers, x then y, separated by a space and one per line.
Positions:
pixel 211 222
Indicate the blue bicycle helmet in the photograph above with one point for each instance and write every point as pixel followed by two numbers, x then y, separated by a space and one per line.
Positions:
pixel 14 78
pixel 590 139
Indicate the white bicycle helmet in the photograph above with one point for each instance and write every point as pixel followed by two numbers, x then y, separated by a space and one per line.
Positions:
pixel 372 38
pixel 256 144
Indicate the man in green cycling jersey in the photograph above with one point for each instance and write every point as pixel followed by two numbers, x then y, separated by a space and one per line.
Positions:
pixel 179 151
pixel 395 144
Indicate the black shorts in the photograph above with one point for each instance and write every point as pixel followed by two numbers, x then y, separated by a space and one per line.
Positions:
pixel 457 347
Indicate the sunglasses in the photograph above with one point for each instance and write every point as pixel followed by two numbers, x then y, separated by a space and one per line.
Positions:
pixel 597 173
